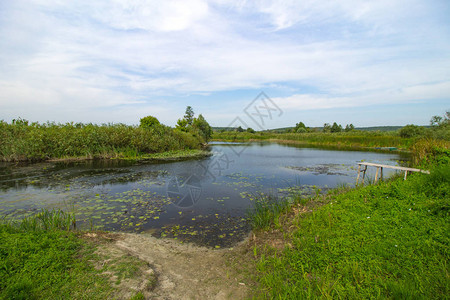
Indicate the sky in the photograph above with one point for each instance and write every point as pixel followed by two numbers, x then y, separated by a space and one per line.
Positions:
pixel 260 64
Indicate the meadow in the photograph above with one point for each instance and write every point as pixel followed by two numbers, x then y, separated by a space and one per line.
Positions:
pixel 389 240
pixel 24 141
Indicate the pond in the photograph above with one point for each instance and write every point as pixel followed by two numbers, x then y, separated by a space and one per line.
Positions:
pixel 204 201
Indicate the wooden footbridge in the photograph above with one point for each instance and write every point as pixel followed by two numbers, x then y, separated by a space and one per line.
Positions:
pixel 362 167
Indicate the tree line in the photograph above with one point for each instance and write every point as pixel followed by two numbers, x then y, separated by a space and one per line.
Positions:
pixel 197 126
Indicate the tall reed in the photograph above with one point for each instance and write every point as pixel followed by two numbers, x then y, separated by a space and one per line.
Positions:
pixel 266 210
pixel 22 141
pixel 46 221
pixel 427 151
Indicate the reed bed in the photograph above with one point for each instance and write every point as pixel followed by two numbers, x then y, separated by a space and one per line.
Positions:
pixel 24 141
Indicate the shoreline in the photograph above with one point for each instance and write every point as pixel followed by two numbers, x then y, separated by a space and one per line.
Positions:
pixel 173 155
pixel 338 146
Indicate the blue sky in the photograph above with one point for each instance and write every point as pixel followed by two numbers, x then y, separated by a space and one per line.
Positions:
pixel 368 63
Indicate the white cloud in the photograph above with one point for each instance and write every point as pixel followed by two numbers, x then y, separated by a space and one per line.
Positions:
pixel 423 92
pixel 169 15
pixel 114 54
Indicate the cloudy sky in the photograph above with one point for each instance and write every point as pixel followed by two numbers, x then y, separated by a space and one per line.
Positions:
pixel 384 62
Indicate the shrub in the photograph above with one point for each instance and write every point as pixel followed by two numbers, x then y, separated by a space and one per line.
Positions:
pixel 336 127
pixel 149 122
pixel 411 130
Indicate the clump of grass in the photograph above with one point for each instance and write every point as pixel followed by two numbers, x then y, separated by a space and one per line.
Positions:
pixel 48 220
pixel 125 267
pixel 266 211
pixel 384 241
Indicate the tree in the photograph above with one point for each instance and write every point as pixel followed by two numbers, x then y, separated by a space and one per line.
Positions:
pixel 300 128
pixel 250 130
pixel 182 125
pixel 201 125
pixel 440 121
pixel 440 127
pixel 299 125
pixel 187 121
pixel 349 127
pixel 326 127
pixel 240 129
pixel 148 122
pixel 336 127
pixel 435 120
pixel 410 131
pixel 189 115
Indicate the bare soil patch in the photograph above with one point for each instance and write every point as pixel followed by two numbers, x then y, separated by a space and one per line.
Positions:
pixel 172 270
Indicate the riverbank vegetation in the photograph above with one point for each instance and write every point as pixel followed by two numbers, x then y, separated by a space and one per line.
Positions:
pixel 336 135
pixel 42 257
pixel 354 139
pixel 388 240
pixel 21 140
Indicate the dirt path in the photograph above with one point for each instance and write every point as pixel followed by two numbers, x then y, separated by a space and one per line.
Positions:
pixel 185 271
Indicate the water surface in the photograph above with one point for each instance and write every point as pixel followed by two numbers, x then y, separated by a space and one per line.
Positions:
pixel 203 201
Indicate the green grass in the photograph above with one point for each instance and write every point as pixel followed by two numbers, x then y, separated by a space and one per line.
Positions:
pixel 172 155
pixel 41 259
pixel 353 139
pixel 46 220
pixel 125 267
pixel 24 141
pixel 266 211
pixel 381 241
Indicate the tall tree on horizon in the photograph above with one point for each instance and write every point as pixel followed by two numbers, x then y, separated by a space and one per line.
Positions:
pixel 189 115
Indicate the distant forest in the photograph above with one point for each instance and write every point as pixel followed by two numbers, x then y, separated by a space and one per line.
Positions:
pixel 288 129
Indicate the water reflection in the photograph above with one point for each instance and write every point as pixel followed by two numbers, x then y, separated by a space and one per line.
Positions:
pixel 203 201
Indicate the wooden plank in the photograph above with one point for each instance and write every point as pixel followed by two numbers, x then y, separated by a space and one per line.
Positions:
pixel 376 175
pixel 380 168
pixel 393 167
pixel 359 172
pixel 364 174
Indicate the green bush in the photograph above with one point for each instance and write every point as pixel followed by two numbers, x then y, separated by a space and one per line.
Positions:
pixel 410 131
pixel 149 122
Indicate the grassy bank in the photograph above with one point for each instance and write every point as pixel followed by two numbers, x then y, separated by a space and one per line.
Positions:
pixel 42 258
pixel 389 240
pixel 171 155
pixel 354 139
pixel 24 141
